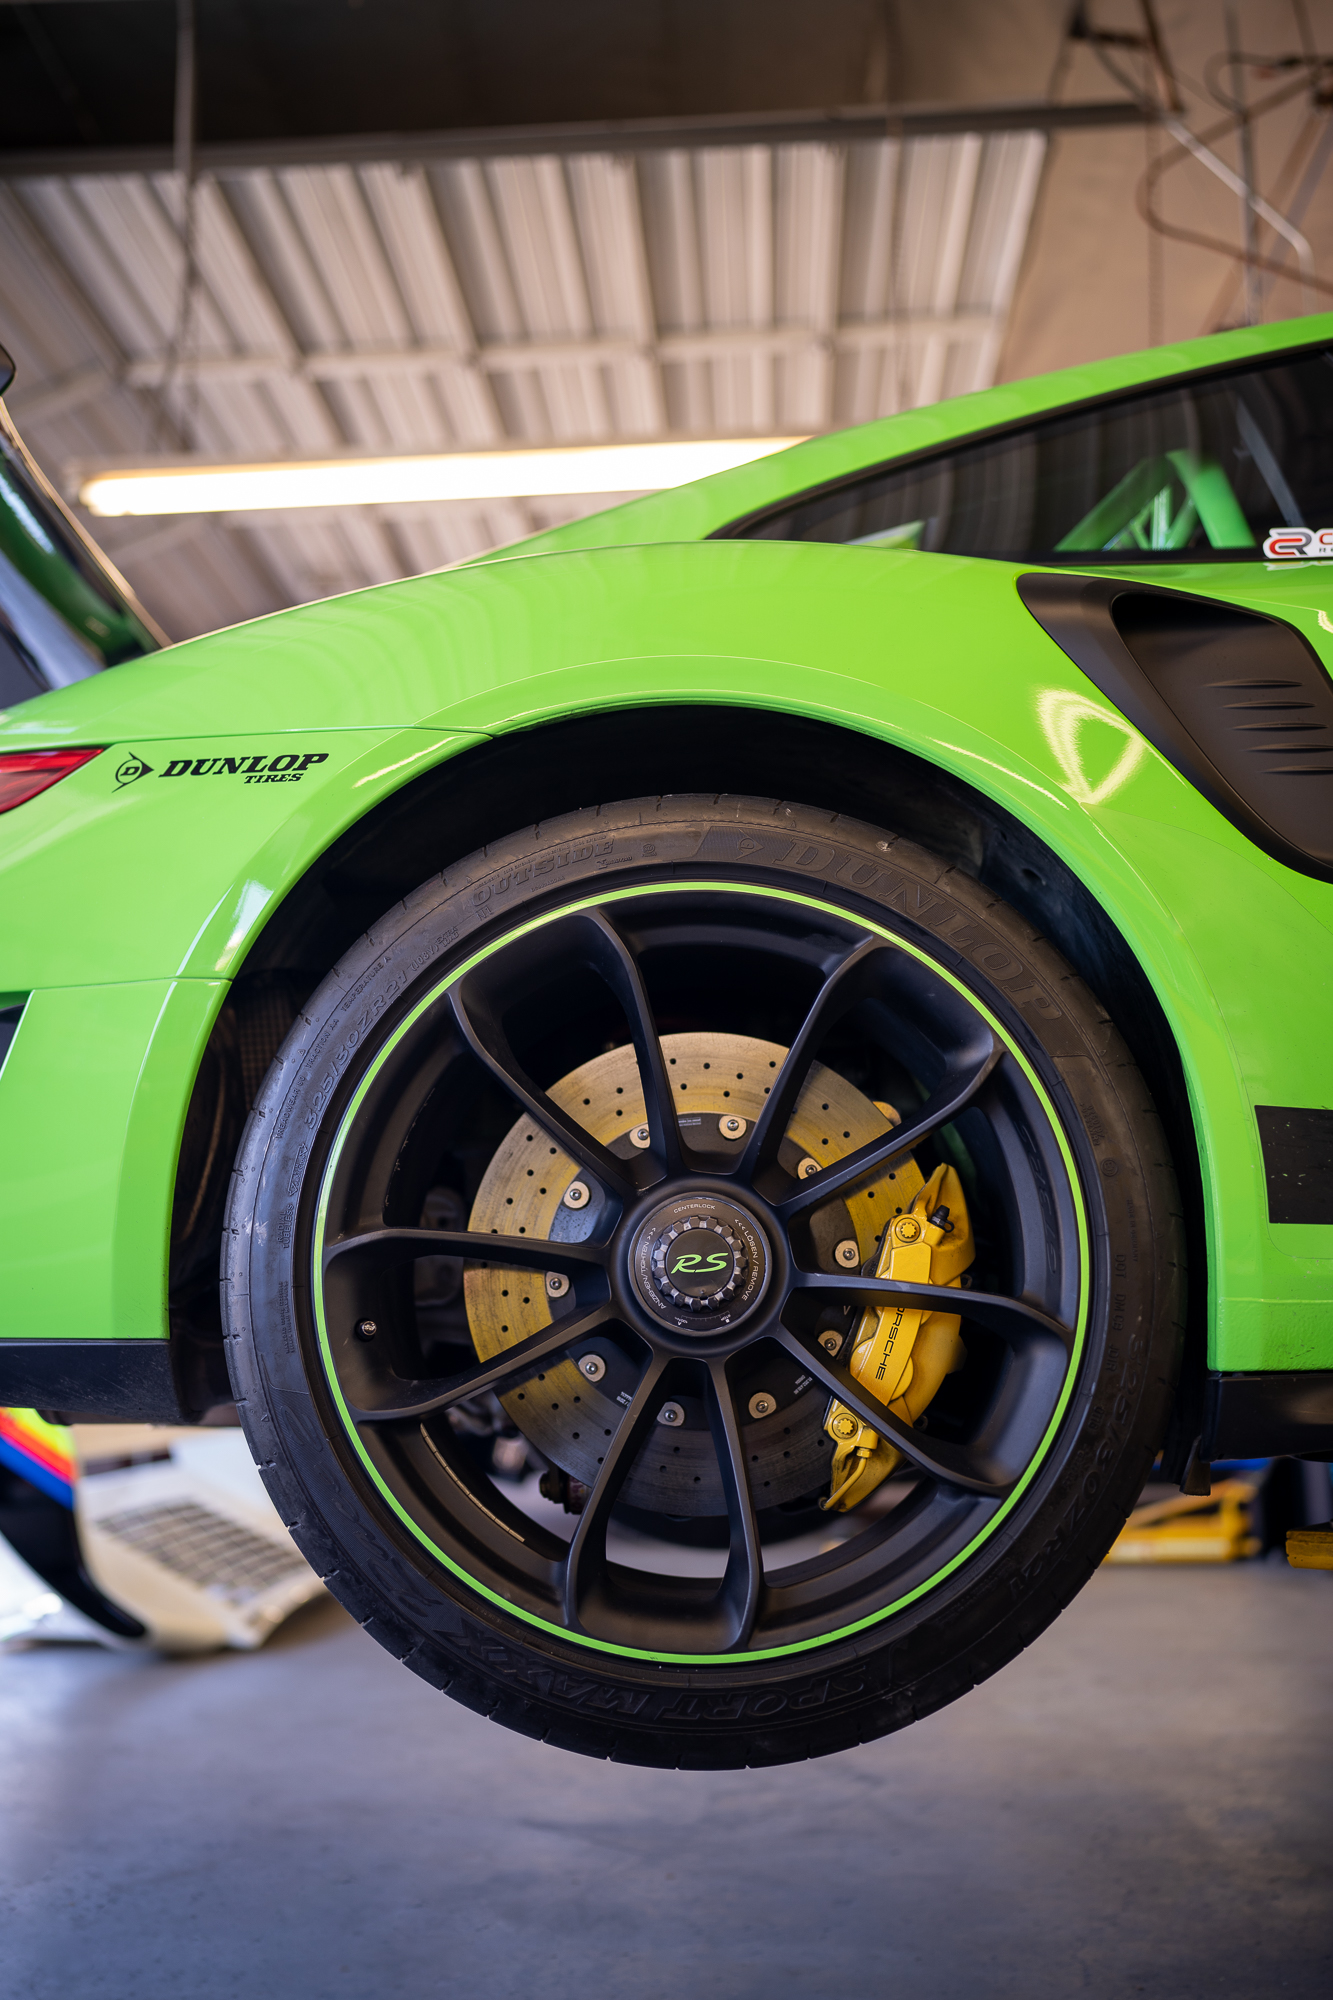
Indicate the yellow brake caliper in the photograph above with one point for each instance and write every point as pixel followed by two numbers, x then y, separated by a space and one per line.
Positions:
pixel 901 1355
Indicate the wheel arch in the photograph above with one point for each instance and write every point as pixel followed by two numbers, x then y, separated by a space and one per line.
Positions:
pixel 534 774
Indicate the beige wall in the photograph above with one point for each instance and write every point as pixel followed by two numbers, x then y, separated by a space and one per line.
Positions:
pixel 1086 281
pixel 1085 288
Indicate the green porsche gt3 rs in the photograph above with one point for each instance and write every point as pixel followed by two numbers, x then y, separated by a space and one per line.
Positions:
pixel 746 1064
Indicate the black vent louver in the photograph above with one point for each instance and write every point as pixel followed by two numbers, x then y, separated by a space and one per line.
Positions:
pixel 1238 702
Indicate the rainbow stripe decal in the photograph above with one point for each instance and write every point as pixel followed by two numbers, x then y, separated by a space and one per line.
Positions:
pixel 40 1452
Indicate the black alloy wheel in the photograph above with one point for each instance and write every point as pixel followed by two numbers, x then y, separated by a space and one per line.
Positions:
pixel 580 1171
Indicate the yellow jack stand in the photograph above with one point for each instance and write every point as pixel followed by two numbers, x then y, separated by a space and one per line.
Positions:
pixel 1204 1527
pixel 1311 1548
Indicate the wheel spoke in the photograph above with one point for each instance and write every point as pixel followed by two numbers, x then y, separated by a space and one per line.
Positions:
pixel 569 993
pixel 955 1465
pixel 848 983
pixel 425 1398
pixel 952 1097
pixel 1017 1323
pixel 484 1035
pixel 611 956
pixel 585 1565
pixel 377 1248
pixel 743 1580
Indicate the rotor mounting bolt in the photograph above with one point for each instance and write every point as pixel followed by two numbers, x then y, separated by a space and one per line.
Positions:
pixel 576 1195
pixel 640 1137
pixel 907 1229
pixel 366 1329
pixel 671 1415
pixel 831 1342
pixel 847 1254
pixel 731 1128
pixel 557 1284
pixel 592 1366
pixel 763 1405
pixel 806 1167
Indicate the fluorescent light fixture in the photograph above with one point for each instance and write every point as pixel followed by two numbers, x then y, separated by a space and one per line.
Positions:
pixel 183 488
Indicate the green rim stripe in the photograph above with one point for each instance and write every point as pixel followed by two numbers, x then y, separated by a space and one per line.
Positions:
pixel 531 1617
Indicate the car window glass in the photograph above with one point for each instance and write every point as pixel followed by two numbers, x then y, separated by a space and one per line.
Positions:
pixel 1202 469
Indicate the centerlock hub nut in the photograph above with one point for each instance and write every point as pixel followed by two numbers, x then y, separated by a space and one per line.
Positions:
pixel 700 1263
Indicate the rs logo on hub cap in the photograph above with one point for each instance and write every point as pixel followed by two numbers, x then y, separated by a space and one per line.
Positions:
pixel 700 1263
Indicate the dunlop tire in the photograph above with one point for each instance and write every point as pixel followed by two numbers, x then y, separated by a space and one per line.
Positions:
pixel 765 1711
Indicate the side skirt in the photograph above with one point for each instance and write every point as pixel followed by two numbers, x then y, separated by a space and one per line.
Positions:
pixel 108 1381
pixel 1268 1416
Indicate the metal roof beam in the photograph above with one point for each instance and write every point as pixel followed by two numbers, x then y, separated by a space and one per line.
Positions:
pixel 500 356
pixel 506 356
pixel 63 392
pixel 627 135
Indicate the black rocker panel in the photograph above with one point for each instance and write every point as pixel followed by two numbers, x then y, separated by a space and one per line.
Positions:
pixel 1239 703
pixel 1268 1416
pixel 120 1381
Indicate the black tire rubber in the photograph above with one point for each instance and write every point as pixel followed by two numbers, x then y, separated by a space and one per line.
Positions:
pixel 767 1711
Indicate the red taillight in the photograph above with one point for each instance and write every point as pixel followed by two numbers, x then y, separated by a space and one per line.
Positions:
pixel 24 773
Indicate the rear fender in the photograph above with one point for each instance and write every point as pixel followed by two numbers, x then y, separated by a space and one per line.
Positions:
pixel 933 656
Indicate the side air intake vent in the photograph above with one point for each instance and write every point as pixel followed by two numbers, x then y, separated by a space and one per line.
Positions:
pixel 1239 703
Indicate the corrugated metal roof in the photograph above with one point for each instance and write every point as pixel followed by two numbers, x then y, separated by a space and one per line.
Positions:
pixel 728 290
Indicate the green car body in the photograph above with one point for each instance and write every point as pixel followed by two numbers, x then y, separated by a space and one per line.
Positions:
pixel 137 889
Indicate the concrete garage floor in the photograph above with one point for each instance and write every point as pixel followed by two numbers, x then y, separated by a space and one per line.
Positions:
pixel 1141 1804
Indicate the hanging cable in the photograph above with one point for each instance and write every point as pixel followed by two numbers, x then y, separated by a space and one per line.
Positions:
pixel 1186 144
pixel 1314 173
pixel 184 150
pixel 1245 139
pixel 1200 148
pixel 1156 298
pixel 1311 148
pixel 1304 30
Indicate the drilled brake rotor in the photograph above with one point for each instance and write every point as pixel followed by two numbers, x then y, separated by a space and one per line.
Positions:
pixel 566 1415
